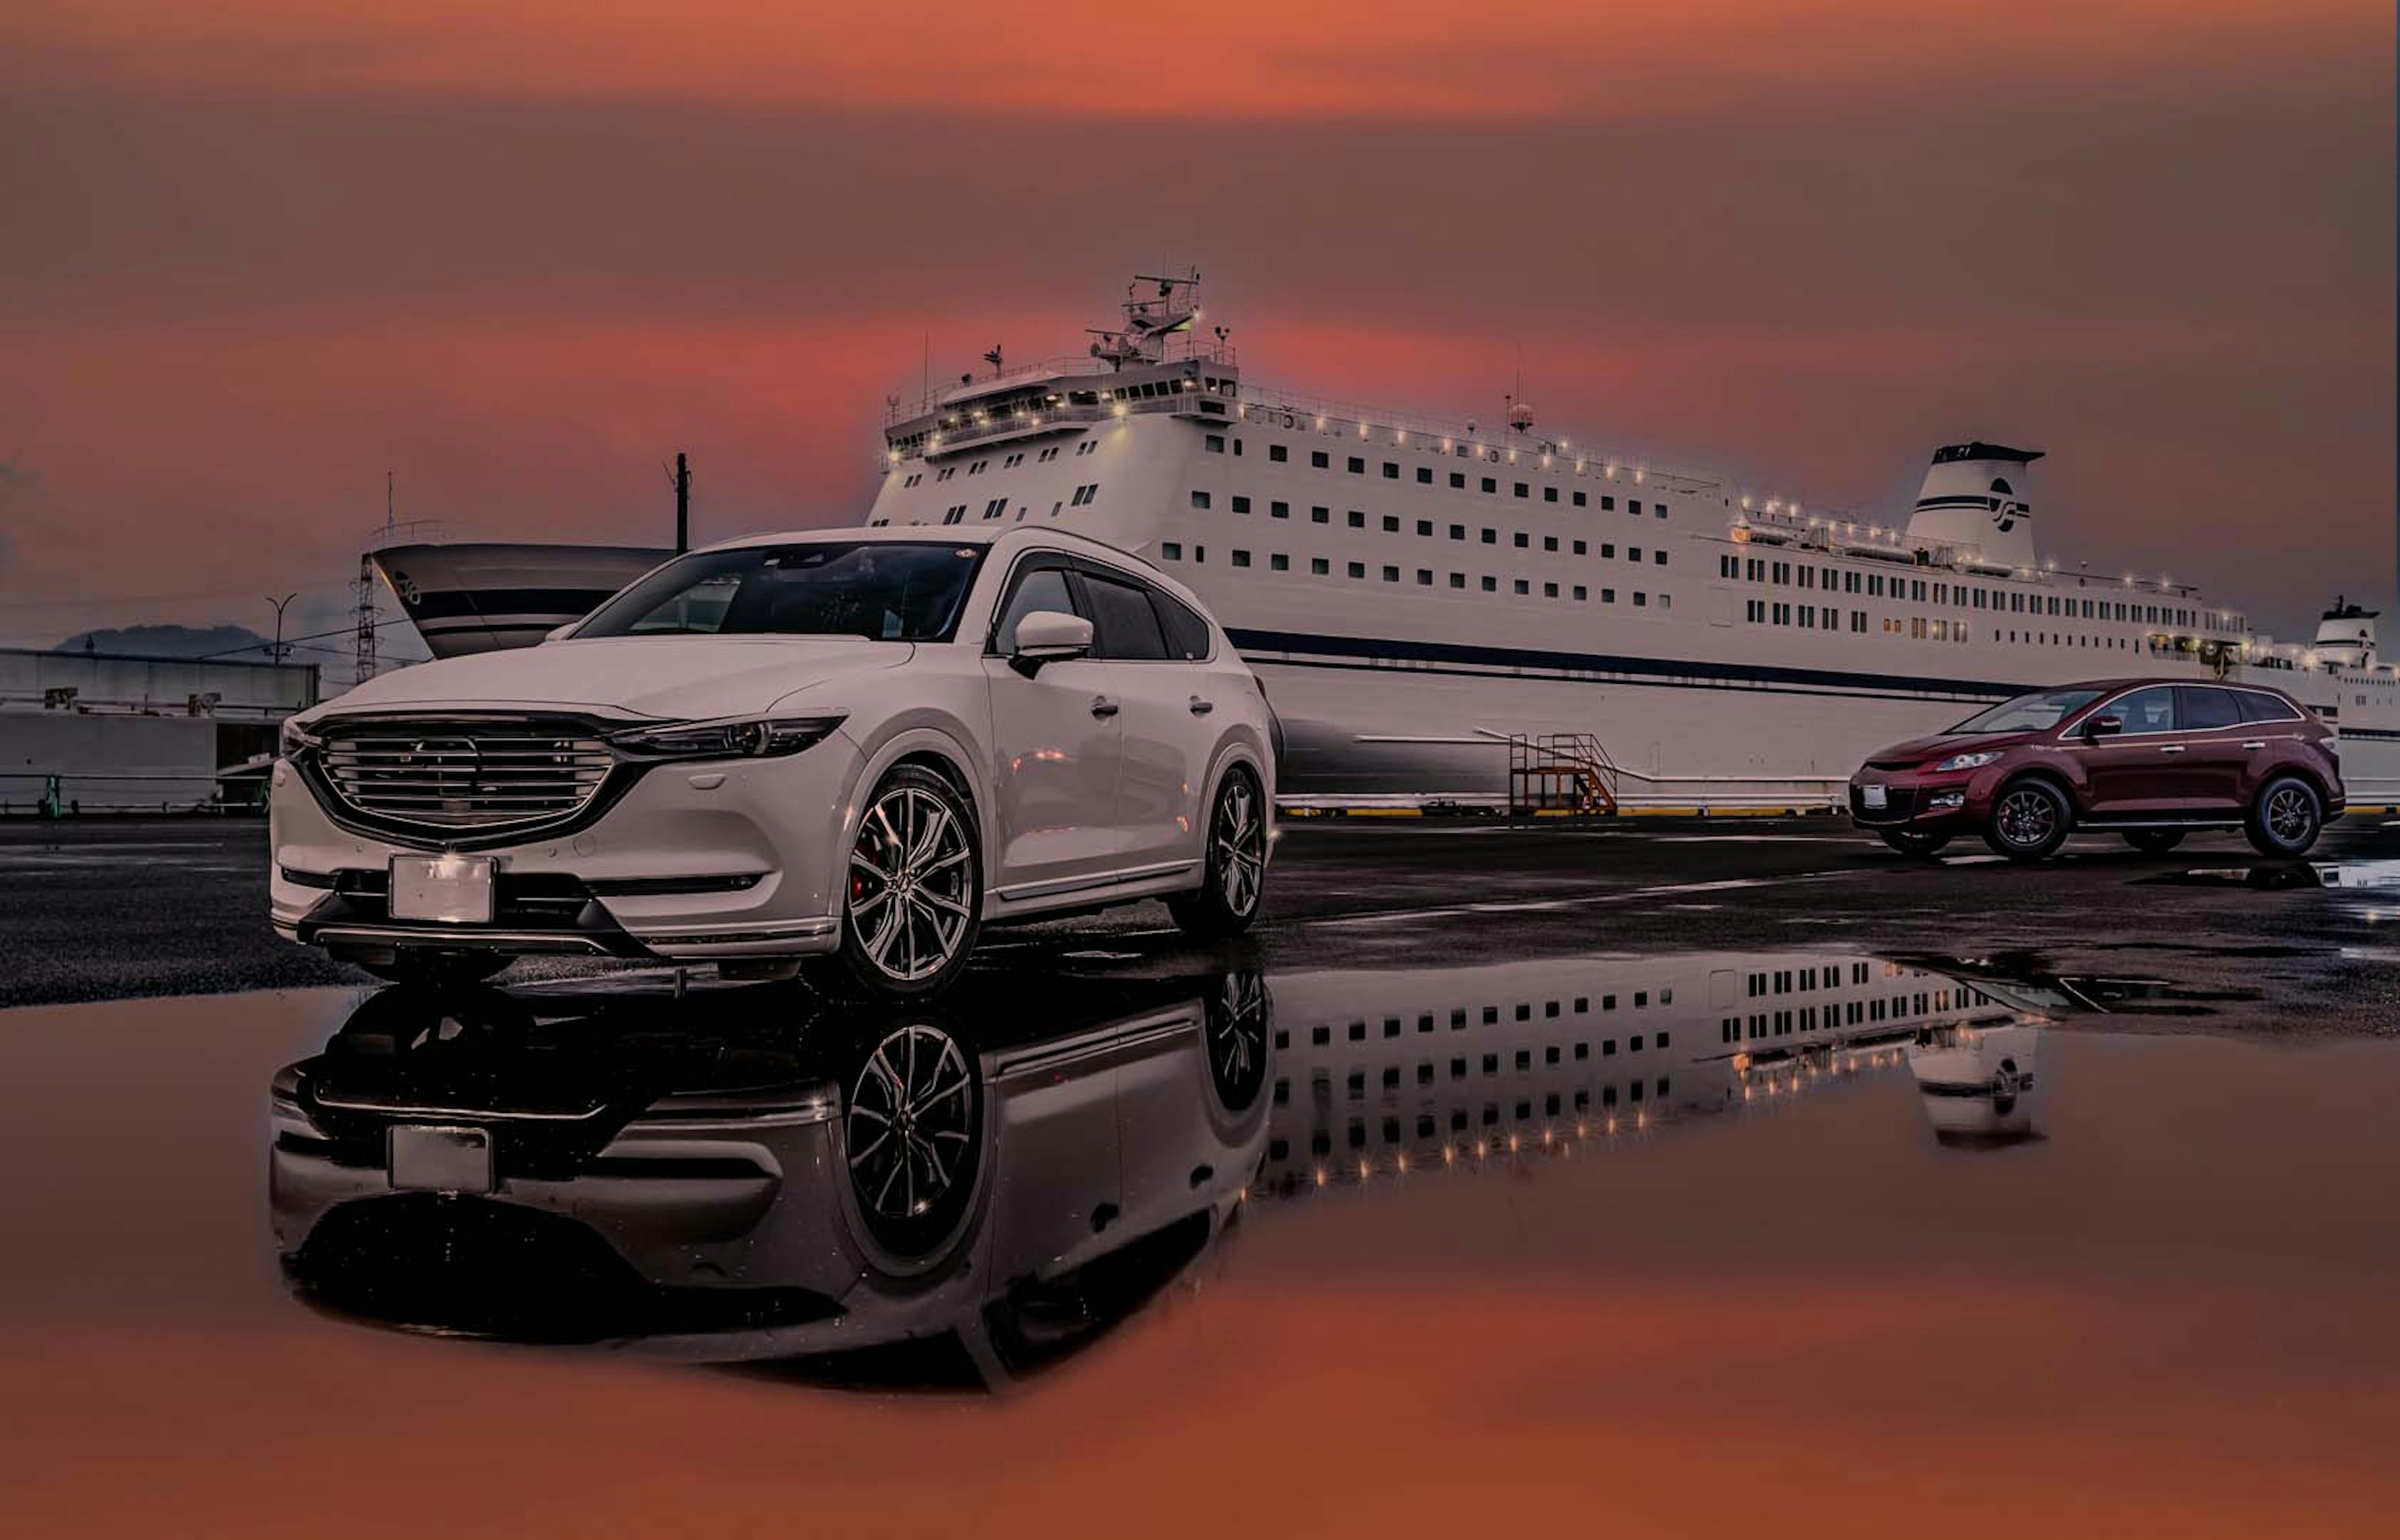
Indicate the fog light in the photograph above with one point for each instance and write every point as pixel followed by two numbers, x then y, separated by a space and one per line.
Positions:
pixel 1948 799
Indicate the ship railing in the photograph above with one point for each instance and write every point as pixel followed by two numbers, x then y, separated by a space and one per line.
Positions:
pixel 408 532
pixel 1180 348
pixel 1268 405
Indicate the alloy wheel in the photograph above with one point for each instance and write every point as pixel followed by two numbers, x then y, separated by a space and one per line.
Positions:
pixel 910 882
pixel 2290 814
pixel 911 1126
pixel 2026 817
pixel 1239 838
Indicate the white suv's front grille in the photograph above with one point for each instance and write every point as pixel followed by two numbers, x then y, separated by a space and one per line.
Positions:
pixel 463 774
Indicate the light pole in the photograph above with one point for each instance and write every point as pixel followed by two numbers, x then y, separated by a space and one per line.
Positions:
pixel 274 653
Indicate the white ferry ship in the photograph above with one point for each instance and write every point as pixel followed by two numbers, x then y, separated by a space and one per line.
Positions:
pixel 1429 602
pixel 1479 612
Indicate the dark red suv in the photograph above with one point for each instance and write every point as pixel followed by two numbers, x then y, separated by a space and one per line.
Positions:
pixel 2148 759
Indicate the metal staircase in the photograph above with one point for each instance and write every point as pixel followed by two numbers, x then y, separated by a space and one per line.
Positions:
pixel 1561 772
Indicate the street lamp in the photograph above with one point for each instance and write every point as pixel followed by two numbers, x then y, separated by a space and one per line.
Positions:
pixel 274 653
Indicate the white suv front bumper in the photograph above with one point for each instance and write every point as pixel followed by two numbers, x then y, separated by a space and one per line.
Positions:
pixel 693 862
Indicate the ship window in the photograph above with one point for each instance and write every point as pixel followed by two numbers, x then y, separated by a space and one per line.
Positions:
pixel 1608 596
pixel 1635 507
pixel 1579 593
pixel 1522 587
pixel 1358 466
pixel 1549 494
pixel 1391 471
pixel 1357 569
pixel 1319 567
pixel 1607 550
pixel 1657 558
pixel 1279 509
pixel 1458 580
pixel 1521 490
pixel 1424 576
pixel 1278 453
pixel 1391 525
pixel 1241 558
pixel 1199 500
pixel 1458 532
pixel 1578 500
pixel 1425 475
pixel 1425 527
pixel 1391 574
pixel 1458 480
pixel 1550 542
pixel 1278 561
pixel 1319 460
pixel 1241 504
pixel 1357 520
pixel 1607 503
pixel 1171 551
pixel 1320 515
pixel 1491 536
pixel 1579 548
pixel 1523 541
pixel 1214 443
pixel 1490 585
pixel 1550 591
pixel 1490 485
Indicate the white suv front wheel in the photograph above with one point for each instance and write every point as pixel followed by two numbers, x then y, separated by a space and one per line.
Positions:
pixel 1236 873
pixel 912 891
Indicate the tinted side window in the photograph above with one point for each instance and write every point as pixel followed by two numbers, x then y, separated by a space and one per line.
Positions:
pixel 1187 634
pixel 1043 588
pixel 2151 710
pixel 1128 627
pixel 2258 707
pixel 2206 706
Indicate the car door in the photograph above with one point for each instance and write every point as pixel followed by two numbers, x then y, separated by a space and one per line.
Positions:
pixel 2217 750
pixel 2134 772
pixel 1056 740
pixel 1157 791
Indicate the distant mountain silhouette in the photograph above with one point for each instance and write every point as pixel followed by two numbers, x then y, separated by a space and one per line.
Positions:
pixel 237 644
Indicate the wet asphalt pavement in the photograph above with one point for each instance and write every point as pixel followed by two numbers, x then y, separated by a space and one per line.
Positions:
pixel 106 909
pixel 1736 1179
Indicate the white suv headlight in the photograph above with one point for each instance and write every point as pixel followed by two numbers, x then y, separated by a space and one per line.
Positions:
pixel 735 738
pixel 1966 761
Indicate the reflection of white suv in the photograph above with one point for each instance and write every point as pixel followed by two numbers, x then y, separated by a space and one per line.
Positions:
pixel 857 746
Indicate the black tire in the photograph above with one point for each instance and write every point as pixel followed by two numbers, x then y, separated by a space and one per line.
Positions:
pixel 917 854
pixel 912 1137
pixel 1908 842
pixel 1233 880
pixel 2030 819
pixel 427 969
pixel 2154 842
pixel 2285 817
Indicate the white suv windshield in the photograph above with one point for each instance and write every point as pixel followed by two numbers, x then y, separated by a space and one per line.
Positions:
pixel 2028 713
pixel 886 591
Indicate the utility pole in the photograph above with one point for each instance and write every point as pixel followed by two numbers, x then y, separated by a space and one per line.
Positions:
pixel 276 653
pixel 683 503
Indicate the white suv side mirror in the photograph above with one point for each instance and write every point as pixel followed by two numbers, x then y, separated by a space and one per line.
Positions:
pixel 1049 636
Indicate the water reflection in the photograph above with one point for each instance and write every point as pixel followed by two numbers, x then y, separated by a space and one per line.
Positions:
pixel 969 1193
pixel 936 1192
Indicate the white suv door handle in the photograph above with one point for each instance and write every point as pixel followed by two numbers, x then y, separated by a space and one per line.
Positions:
pixel 1103 707
pixel 2170 748
pixel 1201 707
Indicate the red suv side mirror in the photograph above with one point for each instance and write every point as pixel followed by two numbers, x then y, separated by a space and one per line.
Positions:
pixel 2103 727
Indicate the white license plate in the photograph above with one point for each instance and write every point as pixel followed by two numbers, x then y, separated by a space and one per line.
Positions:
pixel 1874 799
pixel 429 1159
pixel 451 890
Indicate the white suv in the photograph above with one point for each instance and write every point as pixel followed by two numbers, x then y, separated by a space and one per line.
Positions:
pixel 856 747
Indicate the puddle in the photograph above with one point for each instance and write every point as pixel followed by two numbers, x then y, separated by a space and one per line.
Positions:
pixel 2276 876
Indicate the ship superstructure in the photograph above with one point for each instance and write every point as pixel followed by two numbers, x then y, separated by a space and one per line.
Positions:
pixel 1420 596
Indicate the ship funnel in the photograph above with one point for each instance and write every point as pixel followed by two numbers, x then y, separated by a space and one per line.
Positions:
pixel 2346 635
pixel 1978 497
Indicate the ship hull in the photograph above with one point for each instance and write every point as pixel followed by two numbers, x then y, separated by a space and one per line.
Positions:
pixel 483 597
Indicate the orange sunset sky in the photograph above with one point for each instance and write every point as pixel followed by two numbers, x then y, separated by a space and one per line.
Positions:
pixel 256 252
